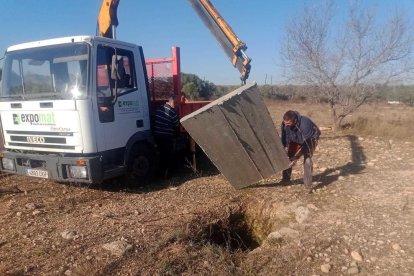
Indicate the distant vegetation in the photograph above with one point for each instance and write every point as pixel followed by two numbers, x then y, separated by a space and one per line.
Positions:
pixel 195 88
pixel 302 93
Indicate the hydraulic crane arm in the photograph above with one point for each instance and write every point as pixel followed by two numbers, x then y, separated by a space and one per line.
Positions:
pixel 231 44
pixel 107 18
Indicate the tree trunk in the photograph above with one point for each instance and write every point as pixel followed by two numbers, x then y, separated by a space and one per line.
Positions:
pixel 333 116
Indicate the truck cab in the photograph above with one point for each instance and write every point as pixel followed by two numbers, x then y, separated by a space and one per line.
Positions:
pixel 76 109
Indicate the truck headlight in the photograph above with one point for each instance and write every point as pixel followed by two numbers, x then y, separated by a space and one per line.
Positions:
pixel 7 163
pixel 78 172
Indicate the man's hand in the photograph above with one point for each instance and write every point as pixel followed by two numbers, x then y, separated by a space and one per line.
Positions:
pixel 103 108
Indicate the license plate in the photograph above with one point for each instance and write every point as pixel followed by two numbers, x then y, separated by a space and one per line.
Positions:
pixel 37 173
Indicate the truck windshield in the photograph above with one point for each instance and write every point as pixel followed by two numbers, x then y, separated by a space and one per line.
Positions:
pixel 52 72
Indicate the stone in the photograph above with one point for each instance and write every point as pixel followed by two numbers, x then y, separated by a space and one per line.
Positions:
pixel 322 170
pixel 325 268
pixel 30 206
pixel 68 234
pixel 312 207
pixel 301 214
pixel 117 248
pixel 356 256
pixel 284 232
pixel 353 270
pixel 396 247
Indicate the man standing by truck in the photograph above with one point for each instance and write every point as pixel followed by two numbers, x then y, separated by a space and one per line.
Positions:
pixel 299 137
pixel 166 123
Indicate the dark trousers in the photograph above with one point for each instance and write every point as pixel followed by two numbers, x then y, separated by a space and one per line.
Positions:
pixel 296 151
pixel 166 147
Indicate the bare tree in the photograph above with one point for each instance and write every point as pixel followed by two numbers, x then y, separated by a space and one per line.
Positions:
pixel 348 59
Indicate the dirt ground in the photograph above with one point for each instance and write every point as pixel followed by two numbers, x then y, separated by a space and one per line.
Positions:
pixel 359 220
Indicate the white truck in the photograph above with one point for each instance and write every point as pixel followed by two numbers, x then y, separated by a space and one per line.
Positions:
pixel 76 109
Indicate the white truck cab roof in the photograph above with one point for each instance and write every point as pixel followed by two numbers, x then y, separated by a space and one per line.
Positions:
pixel 63 40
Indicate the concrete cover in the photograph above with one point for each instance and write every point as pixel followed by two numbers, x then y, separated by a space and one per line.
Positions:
pixel 238 135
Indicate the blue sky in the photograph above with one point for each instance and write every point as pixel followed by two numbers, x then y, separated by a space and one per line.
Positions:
pixel 158 25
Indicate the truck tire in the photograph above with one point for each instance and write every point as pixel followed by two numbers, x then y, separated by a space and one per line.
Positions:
pixel 142 164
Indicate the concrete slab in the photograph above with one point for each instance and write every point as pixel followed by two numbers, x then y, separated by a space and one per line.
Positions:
pixel 238 135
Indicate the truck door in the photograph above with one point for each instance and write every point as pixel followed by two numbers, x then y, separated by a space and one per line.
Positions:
pixel 119 98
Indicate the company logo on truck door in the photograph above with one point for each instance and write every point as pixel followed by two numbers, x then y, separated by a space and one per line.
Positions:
pixel 34 119
pixel 128 106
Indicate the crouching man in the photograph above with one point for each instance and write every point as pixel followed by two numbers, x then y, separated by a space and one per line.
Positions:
pixel 299 137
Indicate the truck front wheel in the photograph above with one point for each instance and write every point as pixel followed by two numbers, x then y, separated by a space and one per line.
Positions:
pixel 143 163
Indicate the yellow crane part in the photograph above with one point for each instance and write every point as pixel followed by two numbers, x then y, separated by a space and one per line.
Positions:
pixel 107 18
pixel 231 44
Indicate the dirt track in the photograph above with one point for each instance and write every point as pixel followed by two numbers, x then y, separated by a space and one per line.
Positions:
pixel 360 220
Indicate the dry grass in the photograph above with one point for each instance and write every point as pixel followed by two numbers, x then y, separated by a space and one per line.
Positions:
pixel 377 119
pixel 383 120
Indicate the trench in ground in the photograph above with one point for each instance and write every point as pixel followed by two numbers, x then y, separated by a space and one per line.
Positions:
pixel 232 230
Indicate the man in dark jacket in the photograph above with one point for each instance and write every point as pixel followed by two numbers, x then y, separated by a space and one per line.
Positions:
pixel 299 137
pixel 165 128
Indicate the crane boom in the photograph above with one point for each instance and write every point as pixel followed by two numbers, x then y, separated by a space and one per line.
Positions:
pixel 231 44
pixel 107 18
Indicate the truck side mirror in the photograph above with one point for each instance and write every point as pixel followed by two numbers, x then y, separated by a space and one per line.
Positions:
pixel 117 74
pixel 117 68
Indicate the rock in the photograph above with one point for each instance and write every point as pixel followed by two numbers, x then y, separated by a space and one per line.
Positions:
pixel 36 212
pixel 312 207
pixel 322 170
pixel 117 248
pixel 356 256
pixel 352 264
pixel 68 234
pixel 284 232
pixel 353 270
pixel 326 268
pixel 396 247
pixel 30 206
pixel 301 214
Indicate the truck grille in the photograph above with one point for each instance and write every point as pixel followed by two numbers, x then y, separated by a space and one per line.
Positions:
pixel 41 139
